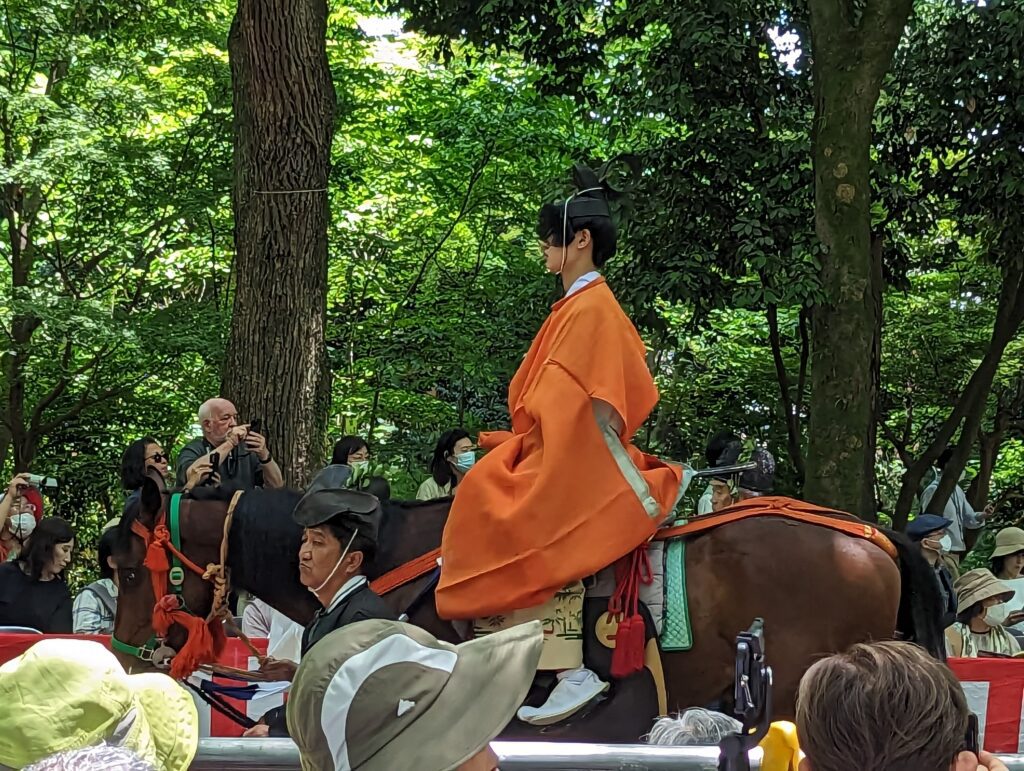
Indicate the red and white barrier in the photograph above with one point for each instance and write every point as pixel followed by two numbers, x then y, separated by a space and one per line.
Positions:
pixel 995 693
pixel 211 722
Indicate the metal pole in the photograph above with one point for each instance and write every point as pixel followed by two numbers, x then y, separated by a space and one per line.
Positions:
pixel 282 755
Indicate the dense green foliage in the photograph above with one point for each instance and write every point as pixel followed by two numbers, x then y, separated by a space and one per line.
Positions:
pixel 117 240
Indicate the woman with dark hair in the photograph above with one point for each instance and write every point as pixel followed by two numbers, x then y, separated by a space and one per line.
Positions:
pixel 454 455
pixel 138 459
pixel 96 605
pixel 32 589
pixel 352 451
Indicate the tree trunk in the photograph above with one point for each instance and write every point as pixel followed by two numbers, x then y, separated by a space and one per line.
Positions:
pixel 849 62
pixel 276 366
pixel 970 407
pixel 790 407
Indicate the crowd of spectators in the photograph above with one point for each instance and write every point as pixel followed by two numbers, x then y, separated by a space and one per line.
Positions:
pixel 34 550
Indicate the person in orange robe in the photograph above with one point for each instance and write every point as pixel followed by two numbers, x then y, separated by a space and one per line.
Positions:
pixel 564 494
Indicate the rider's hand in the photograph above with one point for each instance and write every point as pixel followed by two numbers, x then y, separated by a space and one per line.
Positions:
pixel 278 669
pixel 17 484
pixel 258 731
pixel 990 509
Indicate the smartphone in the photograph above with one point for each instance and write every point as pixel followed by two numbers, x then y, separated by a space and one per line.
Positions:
pixel 972 742
pixel 214 466
pixel 256 426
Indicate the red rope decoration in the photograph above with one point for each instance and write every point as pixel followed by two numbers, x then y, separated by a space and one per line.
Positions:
pixel 205 639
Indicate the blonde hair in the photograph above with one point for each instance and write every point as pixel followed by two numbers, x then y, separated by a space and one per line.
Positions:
pixel 881 705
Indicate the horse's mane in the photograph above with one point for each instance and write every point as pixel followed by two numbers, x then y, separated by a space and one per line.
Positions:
pixel 408 530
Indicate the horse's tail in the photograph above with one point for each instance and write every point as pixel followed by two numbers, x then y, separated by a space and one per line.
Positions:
pixel 921 606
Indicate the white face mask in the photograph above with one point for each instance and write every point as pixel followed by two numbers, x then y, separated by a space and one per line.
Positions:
pixel 946 543
pixel 22 525
pixel 997 614
pixel 359 465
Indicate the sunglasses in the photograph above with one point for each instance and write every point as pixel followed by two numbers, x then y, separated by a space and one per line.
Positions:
pixel 159 457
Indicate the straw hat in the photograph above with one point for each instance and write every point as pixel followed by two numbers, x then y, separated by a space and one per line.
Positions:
pixel 382 696
pixel 1009 540
pixel 978 585
pixel 64 694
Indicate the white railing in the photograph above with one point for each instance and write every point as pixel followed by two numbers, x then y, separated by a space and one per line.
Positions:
pixel 281 754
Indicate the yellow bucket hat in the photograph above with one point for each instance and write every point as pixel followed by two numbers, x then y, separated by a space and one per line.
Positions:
pixel 64 694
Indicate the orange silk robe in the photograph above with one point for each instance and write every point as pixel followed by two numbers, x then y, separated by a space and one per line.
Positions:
pixel 559 497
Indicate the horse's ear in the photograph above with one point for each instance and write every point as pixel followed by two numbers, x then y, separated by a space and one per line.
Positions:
pixel 151 500
pixel 152 473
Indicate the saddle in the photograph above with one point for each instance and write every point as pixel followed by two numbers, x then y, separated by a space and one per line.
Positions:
pixel 628 710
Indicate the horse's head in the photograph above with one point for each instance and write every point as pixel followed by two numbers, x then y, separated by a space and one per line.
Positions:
pixel 164 604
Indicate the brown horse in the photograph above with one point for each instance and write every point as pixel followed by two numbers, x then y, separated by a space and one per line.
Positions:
pixel 818 590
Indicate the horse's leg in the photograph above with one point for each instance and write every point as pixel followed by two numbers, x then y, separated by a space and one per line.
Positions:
pixel 818 591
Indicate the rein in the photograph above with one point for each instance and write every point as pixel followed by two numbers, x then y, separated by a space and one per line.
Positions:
pixel 166 564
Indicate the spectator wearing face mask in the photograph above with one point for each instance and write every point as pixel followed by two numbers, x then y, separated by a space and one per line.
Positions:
pixel 21 508
pixel 981 611
pixel 929 530
pixel 351 451
pixel 32 589
pixel 454 456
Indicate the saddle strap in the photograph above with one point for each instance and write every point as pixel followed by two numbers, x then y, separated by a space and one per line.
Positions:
pixel 405 573
pixel 787 508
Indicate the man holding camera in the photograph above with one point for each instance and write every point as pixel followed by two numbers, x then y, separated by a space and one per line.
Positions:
pixel 240 451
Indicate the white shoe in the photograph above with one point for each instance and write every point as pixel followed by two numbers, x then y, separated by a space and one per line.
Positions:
pixel 576 688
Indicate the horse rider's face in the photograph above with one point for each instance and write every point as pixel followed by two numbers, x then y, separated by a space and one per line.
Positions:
pixel 318 556
pixel 721 496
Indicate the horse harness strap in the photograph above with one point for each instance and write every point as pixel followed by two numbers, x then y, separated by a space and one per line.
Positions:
pixel 406 572
pixel 786 508
pixel 166 541
pixel 176 576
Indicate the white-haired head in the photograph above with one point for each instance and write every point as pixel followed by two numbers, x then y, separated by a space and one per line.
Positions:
pixel 217 417
pixel 695 727
pixel 102 757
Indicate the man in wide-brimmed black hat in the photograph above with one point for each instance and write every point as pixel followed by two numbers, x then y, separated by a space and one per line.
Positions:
pixel 339 540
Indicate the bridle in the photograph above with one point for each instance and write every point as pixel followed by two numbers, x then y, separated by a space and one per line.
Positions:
pixel 167 564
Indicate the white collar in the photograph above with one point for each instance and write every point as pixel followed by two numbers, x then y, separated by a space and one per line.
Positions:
pixel 582 281
pixel 347 588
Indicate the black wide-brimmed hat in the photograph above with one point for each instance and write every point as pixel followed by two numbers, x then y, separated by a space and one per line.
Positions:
pixel 328 500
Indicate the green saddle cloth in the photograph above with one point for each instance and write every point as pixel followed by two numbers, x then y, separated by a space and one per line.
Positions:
pixel 676 632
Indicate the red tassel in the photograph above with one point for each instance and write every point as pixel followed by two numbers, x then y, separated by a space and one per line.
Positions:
pixel 630 637
pixel 628 654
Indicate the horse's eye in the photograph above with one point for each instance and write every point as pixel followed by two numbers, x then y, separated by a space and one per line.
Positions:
pixel 128 575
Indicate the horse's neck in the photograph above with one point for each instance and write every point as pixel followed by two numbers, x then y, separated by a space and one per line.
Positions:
pixel 263 558
pixel 410 530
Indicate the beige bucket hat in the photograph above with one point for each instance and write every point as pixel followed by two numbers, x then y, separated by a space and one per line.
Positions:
pixel 386 696
pixel 1009 540
pixel 978 585
pixel 64 694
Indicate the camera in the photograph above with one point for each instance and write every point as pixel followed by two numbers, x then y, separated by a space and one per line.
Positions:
pixel 38 480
